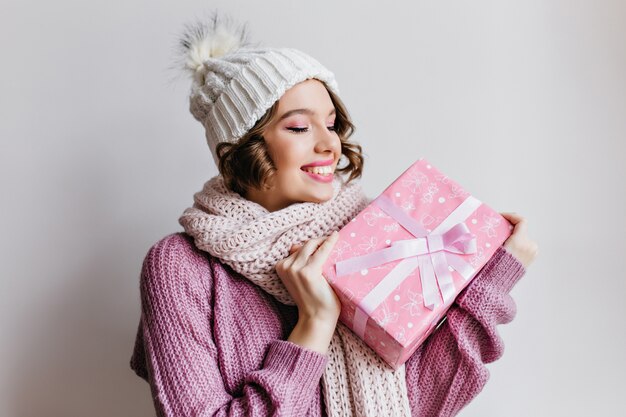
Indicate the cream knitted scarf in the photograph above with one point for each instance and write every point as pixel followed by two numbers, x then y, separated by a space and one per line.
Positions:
pixel 251 240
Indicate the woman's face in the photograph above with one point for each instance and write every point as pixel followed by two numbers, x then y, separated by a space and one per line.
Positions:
pixel 301 133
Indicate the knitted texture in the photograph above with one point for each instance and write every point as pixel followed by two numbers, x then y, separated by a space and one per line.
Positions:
pixel 230 93
pixel 211 343
pixel 251 240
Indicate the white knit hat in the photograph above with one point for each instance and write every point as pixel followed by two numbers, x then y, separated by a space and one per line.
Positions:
pixel 234 82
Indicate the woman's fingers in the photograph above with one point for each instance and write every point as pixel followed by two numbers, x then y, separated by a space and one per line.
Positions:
pixel 313 253
pixel 513 217
pixel 518 244
pixel 294 248
pixel 303 251
pixel 516 220
pixel 321 254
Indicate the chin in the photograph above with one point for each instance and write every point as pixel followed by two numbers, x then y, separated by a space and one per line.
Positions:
pixel 321 198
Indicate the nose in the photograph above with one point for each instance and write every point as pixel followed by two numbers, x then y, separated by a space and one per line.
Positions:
pixel 326 140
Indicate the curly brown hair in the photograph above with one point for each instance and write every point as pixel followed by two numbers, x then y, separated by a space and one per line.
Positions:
pixel 247 164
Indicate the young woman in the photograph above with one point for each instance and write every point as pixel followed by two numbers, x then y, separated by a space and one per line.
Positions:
pixel 237 318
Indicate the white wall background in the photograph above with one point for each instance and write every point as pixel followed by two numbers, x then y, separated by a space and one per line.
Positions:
pixel 524 103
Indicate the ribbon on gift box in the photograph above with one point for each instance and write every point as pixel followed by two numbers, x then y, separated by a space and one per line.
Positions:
pixel 433 253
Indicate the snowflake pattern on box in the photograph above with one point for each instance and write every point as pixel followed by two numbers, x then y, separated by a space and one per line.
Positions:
pixel 369 244
pixel 408 205
pixel 372 217
pixel 341 250
pixel 386 316
pixel 399 321
pixel 477 258
pixel 427 197
pixel 391 227
pixel 428 220
pixel 491 223
pixel 456 190
pixel 400 335
pixel 442 178
pixel 414 181
pixel 414 306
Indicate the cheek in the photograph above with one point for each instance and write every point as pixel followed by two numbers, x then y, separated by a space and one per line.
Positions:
pixel 338 144
pixel 291 154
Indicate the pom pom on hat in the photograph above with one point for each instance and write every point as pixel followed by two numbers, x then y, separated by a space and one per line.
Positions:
pixel 235 82
pixel 210 38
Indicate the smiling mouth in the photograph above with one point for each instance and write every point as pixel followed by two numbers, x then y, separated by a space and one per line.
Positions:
pixel 323 177
pixel 320 170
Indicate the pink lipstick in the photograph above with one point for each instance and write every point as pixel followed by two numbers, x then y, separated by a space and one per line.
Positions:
pixel 319 163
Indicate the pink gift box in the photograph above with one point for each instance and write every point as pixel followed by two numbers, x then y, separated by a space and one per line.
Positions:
pixel 400 263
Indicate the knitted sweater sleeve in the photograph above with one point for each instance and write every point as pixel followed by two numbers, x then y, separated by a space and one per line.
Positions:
pixel 179 356
pixel 448 370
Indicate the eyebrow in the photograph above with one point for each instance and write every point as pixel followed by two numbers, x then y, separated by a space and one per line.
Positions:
pixel 302 111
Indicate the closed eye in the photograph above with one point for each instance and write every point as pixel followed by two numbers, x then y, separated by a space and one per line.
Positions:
pixel 304 129
pixel 298 129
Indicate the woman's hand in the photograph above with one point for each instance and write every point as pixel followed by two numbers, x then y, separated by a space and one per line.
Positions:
pixel 518 244
pixel 318 305
pixel 301 272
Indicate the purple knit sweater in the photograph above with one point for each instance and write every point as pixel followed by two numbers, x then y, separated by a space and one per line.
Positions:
pixel 211 343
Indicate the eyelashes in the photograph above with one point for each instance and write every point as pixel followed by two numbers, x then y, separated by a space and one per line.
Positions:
pixel 298 129
pixel 305 129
